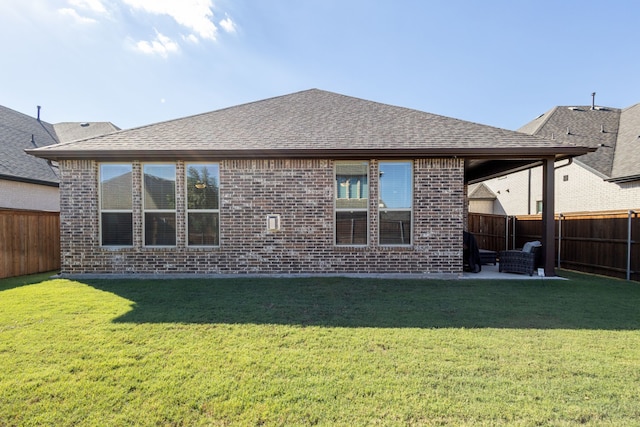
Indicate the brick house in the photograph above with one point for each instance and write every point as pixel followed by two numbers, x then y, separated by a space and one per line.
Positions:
pixel 605 179
pixel 308 183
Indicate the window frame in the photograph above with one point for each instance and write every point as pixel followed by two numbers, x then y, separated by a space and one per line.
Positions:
pixel 102 210
pixel 204 211
pixel 365 209
pixel 382 210
pixel 145 211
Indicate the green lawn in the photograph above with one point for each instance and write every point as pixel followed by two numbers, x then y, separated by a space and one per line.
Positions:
pixel 330 351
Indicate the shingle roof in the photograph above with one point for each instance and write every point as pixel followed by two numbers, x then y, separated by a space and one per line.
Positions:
pixel 310 123
pixel 17 133
pixel 626 164
pixel 613 132
pixel 71 131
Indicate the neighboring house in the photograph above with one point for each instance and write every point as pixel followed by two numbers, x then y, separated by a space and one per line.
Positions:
pixel 481 199
pixel 308 183
pixel 27 182
pixel 603 180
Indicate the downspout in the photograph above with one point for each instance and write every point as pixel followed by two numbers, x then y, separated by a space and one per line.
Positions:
pixel 630 215
pixel 560 216
pixel 529 194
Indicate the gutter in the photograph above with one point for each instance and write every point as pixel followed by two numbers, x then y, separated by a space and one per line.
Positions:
pixel 475 153
pixel 29 180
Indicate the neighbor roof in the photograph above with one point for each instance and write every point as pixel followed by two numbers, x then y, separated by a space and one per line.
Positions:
pixel 20 132
pixel 612 132
pixel 71 131
pixel 311 123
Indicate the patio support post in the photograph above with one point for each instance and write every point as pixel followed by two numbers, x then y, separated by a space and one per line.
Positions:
pixel 548 216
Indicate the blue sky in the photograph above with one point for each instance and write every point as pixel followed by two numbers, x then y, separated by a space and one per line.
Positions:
pixel 496 62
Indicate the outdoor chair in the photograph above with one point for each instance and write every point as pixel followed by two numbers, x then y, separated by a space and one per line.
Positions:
pixel 523 261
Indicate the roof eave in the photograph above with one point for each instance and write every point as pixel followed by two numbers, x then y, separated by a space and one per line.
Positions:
pixel 476 153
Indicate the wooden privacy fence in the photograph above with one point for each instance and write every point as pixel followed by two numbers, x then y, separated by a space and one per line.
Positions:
pixel 606 243
pixel 29 242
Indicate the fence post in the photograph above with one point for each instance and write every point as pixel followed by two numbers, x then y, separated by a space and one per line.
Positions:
pixel 506 232
pixel 560 216
pixel 631 213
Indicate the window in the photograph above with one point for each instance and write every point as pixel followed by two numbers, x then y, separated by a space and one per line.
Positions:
pixel 352 202
pixel 159 198
pixel 203 204
pixel 116 214
pixel 395 204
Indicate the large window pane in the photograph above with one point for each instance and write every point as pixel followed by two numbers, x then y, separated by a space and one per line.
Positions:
pixel 159 187
pixel 351 228
pixel 203 229
pixel 202 186
pixel 395 228
pixel 395 203
pixel 395 185
pixel 115 187
pixel 352 185
pixel 116 200
pixel 117 229
pixel 160 229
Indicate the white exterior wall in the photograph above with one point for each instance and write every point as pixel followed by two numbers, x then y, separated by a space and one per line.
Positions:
pixel 584 191
pixel 20 195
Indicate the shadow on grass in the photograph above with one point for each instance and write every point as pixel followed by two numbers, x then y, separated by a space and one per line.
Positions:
pixel 16 282
pixel 584 302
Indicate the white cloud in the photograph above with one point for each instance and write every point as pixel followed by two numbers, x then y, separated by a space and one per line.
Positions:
pixel 161 45
pixel 191 38
pixel 92 5
pixel 195 15
pixel 228 25
pixel 75 16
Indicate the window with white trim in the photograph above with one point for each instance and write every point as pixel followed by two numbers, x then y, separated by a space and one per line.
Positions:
pixel 159 204
pixel 116 200
pixel 351 203
pixel 395 202
pixel 203 204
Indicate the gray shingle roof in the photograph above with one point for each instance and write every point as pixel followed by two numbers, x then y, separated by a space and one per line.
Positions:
pixel 613 132
pixel 17 133
pixel 310 123
pixel 71 131
pixel 626 163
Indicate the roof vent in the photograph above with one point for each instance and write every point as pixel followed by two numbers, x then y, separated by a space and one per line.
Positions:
pixel 574 108
pixel 601 108
pixel 84 125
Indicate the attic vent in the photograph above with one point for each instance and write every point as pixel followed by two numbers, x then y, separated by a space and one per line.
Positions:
pixel 84 125
pixel 575 108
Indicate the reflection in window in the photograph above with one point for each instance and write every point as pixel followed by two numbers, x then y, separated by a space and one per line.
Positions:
pixel 395 203
pixel 159 204
pixel 351 204
pixel 203 210
pixel 116 214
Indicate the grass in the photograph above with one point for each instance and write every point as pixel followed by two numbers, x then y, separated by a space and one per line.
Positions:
pixel 330 351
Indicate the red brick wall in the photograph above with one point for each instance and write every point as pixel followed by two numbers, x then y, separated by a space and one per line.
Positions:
pixel 300 191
